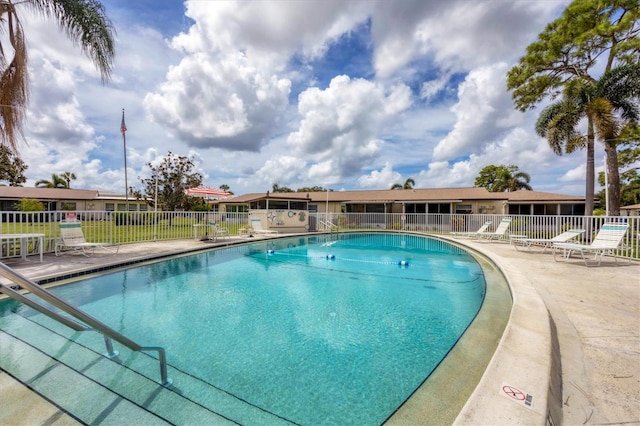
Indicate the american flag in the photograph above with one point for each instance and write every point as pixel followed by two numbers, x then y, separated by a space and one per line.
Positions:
pixel 123 127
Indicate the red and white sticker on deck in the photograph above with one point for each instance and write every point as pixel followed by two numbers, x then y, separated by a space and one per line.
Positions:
pixel 517 395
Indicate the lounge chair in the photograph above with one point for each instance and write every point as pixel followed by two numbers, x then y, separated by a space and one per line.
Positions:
pixel 523 242
pixel 257 228
pixel 483 228
pixel 608 239
pixel 498 233
pixel 72 238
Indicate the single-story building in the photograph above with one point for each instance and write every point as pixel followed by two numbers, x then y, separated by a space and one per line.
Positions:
pixel 632 210
pixel 427 200
pixel 69 199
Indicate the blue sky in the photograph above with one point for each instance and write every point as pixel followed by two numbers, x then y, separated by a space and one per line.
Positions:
pixel 345 95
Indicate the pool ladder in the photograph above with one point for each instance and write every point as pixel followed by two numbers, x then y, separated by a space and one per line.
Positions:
pixel 94 324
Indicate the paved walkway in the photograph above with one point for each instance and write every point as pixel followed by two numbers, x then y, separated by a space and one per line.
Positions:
pixel 596 312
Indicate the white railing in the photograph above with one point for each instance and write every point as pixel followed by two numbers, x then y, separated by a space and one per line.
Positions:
pixel 122 227
pixel 530 225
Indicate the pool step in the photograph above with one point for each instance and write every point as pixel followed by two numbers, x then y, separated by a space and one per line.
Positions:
pixel 76 376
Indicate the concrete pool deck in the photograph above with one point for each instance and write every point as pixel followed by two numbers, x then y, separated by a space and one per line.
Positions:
pixel 595 313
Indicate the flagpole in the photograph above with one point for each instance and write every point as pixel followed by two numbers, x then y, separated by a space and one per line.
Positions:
pixel 123 129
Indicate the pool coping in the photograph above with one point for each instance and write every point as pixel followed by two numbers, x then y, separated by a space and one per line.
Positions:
pixel 514 366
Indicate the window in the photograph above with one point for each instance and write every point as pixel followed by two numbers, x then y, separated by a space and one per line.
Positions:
pixel 278 205
pixel 109 207
pixel 297 205
pixel 122 207
pixel 237 208
pixel 415 208
pixel 259 205
pixel 572 209
pixel 464 209
pixel 144 207
pixel 519 209
pixel 374 208
pixel 444 208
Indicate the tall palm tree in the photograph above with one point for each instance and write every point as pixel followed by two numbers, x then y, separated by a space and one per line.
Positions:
pixel 408 184
pixel 68 177
pixel 84 22
pixel 609 106
pixel 558 124
pixel 55 182
pixel 617 109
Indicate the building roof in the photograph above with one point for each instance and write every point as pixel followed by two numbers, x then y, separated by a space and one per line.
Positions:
pixel 410 195
pixel 443 195
pixel 20 192
pixel 631 207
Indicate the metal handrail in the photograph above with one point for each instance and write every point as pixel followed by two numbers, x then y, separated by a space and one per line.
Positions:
pixel 61 304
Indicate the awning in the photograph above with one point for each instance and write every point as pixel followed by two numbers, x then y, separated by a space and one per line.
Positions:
pixel 207 192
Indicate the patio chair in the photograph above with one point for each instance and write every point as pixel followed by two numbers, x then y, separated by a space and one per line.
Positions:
pixel 72 239
pixel 257 228
pixel 471 234
pixel 501 229
pixel 217 231
pixel 608 239
pixel 521 242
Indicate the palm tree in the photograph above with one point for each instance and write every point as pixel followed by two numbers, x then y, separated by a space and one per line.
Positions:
pixel 598 102
pixel 558 122
pixel 511 179
pixel 68 177
pixel 84 22
pixel 408 184
pixel 55 182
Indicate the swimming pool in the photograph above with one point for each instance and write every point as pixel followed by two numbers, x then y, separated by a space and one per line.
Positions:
pixel 323 329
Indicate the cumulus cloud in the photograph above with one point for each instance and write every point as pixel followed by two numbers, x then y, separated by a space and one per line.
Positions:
pixel 483 101
pixel 339 124
pixel 383 178
pixel 223 104
pixel 283 170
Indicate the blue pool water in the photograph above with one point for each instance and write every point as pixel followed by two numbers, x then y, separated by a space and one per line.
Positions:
pixel 316 330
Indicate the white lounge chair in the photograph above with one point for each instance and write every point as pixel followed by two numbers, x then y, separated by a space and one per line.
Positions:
pixel 501 229
pixel 608 239
pixel 72 238
pixel 483 228
pixel 256 226
pixel 523 242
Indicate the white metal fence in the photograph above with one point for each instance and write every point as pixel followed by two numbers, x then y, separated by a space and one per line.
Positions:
pixel 123 227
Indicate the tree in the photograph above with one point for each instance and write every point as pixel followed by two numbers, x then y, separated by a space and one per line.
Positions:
pixel 226 188
pixel 628 161
pixel 278 188
pixel 11 167
pixel 502 178
pixel 84 22
pixel 55 182
pixel 313 189
pixel 29 205
pixel 408 184
pixel 610 104
pixel 568 49
pixel 68 177
pixel 173 176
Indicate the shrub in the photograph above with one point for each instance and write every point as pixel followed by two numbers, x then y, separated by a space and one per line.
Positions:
pixel 29 205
